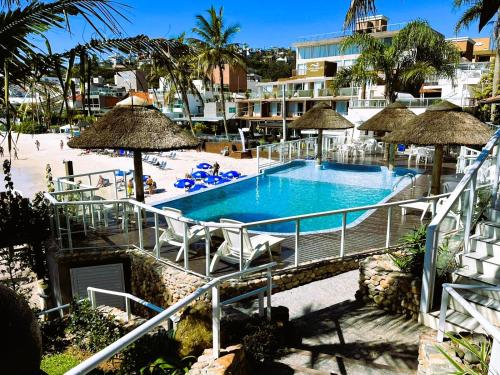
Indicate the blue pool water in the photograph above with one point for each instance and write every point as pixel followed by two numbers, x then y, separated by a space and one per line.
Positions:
pixel 294 189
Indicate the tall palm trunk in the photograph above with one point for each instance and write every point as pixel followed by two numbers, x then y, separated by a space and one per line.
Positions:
pixel 6 101
pixel 223 101
pixel 82 80
pixel 187 110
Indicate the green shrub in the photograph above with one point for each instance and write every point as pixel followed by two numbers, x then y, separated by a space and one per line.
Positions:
pixel 411 257
pixel 59 364
pixel 54 336
pixel 200 128
pixel 168 366
pixel 194 330
pixel 28 127
pixel 91 329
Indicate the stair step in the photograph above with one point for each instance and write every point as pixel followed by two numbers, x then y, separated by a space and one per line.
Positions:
pixel 476 276
pixel 458 322
pixel 468 277
pixel 492 213
pixel 486 245
pixel 488 307
pixel 488 265
pixel 489 229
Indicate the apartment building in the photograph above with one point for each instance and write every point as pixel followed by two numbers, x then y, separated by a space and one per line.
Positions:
pixel 319 57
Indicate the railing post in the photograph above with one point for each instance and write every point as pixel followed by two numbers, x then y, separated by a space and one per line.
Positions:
pixel 494 365
pixel 389 222
pixel 269 152
pixel 496 177
pixel 216 321
pixel 442 314
pixel 280 152
pixel 471 204
pixel 127 309
pixel 297 237
pixel 299 146
pixel 139 226
pixel 58 225
pixel 342 234
pixel 157 235
pixel 261 304
pixel 186 246
pixel 258 162
pixel 269 292
pixel 241 249
pixel 91 295
pixel 68 228
pixel 429 273
pixel 207 251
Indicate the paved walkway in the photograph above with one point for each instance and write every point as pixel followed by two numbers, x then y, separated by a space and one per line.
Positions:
pixel 340 336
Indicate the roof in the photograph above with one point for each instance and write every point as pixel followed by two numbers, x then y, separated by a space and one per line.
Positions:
pixel 321 116
pixel 392 117
pixel 135 128
pixel 443 123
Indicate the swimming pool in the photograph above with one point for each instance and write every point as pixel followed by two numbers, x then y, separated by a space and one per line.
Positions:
pixel 294 189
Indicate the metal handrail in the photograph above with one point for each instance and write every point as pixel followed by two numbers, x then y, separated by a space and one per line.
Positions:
pixel 91 291
pixel 431 240
pixel 213 285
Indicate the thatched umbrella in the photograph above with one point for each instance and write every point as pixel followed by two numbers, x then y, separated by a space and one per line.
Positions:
pixel 392 117
pixel 137 129
pixel 321 117
pixel 441 124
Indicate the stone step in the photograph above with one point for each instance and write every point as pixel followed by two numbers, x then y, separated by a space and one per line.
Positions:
pixel 488 307
pixel 339 364
pixel 277 368
pixel 486 245
pixel 478 262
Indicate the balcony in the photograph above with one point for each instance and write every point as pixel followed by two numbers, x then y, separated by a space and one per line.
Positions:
pixel 382 103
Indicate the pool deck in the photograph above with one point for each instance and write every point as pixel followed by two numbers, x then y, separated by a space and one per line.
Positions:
pixel 367 236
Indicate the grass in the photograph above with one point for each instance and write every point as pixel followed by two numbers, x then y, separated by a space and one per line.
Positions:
pixel 58 364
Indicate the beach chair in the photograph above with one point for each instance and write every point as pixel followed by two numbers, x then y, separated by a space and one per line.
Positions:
pixel 427 207
pixel 253 247
pixel 163 165
pixel 174 233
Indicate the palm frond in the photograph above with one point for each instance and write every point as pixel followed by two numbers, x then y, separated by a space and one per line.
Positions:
pixel 357 9
pixel 470 16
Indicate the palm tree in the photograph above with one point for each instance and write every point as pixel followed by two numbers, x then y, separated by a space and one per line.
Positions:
pixel 473 14
pixel 215 49
pixel 19 22
pixel 415 53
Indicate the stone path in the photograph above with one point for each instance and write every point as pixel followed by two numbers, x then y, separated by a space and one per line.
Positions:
pixel 340 336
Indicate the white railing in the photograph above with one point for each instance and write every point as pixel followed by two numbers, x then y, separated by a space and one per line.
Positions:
pixel 466 158
pixel 489 328
pixel 91 291
pixel 212 286
pixel 382 103
pixel 279 153
pixel 466 194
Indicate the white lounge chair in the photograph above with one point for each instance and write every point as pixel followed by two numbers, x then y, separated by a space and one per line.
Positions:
pixel 427 206
pixel 253 247
pixel 174 233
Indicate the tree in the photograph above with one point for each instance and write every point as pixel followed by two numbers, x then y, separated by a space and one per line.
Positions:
pixel 473 14
pixel 484 90
pixel 415 53
pixel 215 49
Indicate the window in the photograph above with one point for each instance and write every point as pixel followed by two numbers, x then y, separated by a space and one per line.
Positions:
pixel 325 50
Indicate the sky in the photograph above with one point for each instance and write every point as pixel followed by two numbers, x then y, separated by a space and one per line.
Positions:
pixel 264 23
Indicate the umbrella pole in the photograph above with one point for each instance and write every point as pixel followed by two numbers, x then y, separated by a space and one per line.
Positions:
pixel 139 185
pixel 436 170
pixel 320 147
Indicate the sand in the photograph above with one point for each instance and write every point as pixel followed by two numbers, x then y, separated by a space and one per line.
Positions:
pixel 29 171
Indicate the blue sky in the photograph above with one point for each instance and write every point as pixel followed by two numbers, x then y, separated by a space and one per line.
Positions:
pixel 266 23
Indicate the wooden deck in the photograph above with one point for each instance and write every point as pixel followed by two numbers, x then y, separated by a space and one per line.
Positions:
pixel 367 236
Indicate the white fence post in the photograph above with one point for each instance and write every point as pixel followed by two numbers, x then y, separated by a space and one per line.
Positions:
pixel 186 246
pixel 241 249
pixel 139 227
pixel 127 309
pixel 157 235
pixel 471 205
pixel 442 314
pixel 269 292
pixel 389 222
pixel 216 321
pixel 342 235
pixel 297 238
pixel 207 251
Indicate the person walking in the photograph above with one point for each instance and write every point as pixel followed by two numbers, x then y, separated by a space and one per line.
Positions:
pixel 15 154
pixel 61 144
pixel 37 144
pixel 1 152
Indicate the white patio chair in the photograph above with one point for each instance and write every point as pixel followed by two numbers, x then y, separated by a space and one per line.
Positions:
pixel 174 233
pixel 253 247
pixel 427 206
pixel 344 151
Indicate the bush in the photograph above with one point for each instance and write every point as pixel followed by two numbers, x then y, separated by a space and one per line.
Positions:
pixel 28 127
pixel 59 364
pixel 91 329
pixel 263 340
pixel 54 335
pixel 194 330
pixel 411 257
pixel 200 128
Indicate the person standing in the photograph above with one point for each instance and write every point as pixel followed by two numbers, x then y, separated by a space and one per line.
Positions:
pixel 15 154
pixel 130 187
pixel 37 144
pixel 61 144
pixel 216 168
pixel 1 152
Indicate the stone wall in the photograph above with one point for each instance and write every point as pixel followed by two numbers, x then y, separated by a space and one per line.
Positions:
pixel 231 362
pixel 430 360
pixel 381 282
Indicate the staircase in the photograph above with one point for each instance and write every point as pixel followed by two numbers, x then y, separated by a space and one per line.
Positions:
pixel 480 266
